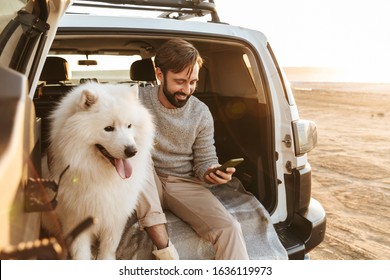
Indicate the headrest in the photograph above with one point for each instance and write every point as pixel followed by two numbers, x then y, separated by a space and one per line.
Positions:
pixel 55 70
pixel 142 70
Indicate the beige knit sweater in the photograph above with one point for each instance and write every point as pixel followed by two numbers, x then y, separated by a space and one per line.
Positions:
pixel 184 142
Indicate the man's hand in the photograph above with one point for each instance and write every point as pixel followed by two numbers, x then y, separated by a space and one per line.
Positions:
pixel 219 177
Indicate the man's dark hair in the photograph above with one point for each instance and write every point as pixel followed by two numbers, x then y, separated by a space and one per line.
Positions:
pixel 176 55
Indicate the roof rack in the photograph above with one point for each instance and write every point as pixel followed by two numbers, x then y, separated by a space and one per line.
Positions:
pixel 175 9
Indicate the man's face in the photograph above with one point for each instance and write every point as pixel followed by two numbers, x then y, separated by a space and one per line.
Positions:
pixel 178 87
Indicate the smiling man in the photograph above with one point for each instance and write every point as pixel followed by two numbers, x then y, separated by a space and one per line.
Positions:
pixel 183 157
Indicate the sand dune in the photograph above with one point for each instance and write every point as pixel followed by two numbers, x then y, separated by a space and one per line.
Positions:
pixel 351 166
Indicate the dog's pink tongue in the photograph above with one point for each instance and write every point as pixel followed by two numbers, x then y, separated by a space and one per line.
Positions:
pixel 123 167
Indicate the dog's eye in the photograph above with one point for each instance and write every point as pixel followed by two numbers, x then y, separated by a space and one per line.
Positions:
pixel 109 128
pixel 129 126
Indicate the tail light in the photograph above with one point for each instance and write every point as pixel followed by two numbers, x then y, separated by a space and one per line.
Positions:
pixel 305 136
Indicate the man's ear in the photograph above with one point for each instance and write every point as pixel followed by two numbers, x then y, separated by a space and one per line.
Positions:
pixel 88 99
pixel 159 74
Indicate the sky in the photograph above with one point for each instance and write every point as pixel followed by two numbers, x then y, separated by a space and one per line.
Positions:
pixel 352 35
pixel 349 34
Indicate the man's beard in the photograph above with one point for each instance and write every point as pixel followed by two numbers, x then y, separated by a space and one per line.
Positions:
pixel 171 96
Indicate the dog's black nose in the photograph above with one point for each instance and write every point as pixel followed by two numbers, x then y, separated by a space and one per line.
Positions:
pixel 130 151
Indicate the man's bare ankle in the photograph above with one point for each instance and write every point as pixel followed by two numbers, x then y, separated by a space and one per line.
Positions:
pixel 159 235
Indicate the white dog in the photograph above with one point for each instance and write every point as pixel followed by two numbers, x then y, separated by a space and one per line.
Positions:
pixel 105 136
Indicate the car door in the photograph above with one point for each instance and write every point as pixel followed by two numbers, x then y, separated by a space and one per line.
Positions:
pixel 27 29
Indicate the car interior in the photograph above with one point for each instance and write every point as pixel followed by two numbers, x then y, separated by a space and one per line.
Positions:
pixel 236 99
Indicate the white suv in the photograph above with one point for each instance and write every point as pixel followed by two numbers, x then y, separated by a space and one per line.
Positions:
pixel 253 107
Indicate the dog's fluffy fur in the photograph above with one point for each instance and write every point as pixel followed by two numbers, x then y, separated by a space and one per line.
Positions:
pixel 105 135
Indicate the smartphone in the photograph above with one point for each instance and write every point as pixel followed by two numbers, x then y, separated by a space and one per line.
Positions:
pixel 230 163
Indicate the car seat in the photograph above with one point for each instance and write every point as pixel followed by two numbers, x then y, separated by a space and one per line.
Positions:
pixel 142 71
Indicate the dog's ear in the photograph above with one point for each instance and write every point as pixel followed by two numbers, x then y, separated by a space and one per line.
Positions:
pixel 135 91
pixel 87 99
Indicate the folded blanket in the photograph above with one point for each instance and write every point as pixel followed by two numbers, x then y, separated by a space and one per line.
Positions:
pixel 259 233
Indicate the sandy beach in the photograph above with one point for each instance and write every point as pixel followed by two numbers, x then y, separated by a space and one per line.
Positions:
pixel 351 166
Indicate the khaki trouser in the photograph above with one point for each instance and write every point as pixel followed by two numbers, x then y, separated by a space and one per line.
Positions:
pixel 193 203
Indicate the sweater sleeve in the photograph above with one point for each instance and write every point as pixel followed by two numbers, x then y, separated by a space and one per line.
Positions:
pixel 204 149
